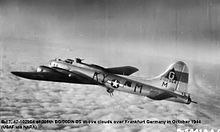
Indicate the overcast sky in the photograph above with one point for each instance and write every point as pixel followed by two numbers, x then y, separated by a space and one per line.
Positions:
pixel 187 30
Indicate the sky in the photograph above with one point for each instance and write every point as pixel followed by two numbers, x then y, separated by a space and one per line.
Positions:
pixel 185 30
pixel 147 34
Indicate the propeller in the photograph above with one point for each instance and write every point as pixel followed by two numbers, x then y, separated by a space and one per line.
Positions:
pixel 194 102
pixel 191 101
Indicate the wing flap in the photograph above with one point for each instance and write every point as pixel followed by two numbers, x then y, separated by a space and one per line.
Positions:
pixel 124 70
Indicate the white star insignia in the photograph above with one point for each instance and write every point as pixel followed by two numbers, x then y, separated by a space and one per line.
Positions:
pixel 115 83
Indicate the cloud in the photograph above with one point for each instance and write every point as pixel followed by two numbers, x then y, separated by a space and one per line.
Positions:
pixel 26 99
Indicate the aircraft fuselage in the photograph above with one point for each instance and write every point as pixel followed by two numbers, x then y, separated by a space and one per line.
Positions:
pixel 171 85
pixel 119 83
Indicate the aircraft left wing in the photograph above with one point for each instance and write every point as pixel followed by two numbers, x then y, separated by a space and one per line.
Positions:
pixel 57 75
pixel 124 70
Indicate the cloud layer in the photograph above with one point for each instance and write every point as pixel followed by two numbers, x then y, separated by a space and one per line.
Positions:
pixel 26 99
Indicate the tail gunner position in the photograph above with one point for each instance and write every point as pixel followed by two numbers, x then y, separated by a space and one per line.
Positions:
pixel 171 85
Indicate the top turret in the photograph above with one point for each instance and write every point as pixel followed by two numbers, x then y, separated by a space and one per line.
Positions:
pixel 78 60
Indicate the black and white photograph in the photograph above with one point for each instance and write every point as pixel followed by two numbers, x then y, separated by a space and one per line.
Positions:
pixel 110 65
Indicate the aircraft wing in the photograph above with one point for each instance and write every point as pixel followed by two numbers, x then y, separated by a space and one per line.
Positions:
pixel 124 70
pixel 56 77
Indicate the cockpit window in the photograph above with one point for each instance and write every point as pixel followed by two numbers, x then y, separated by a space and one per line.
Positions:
pixel 69 61
pixel 56 59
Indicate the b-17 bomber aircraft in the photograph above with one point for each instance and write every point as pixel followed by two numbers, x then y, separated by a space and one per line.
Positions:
pixel 170 85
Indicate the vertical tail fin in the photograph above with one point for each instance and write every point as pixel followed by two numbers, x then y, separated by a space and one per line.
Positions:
pixel 175 78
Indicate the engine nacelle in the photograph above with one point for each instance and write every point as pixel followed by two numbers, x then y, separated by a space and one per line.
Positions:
pixel 54 69
pixel 62 71
pixel 45 69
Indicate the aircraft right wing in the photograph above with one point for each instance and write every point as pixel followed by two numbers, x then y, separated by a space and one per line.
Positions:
pixel 124 70
pixel 57 76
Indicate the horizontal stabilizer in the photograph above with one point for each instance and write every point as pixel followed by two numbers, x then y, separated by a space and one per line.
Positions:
pixel 124 70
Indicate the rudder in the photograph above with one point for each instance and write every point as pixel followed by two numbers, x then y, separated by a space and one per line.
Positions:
pixel 176 77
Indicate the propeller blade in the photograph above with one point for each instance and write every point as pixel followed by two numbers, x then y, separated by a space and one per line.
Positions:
pixel 194 102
